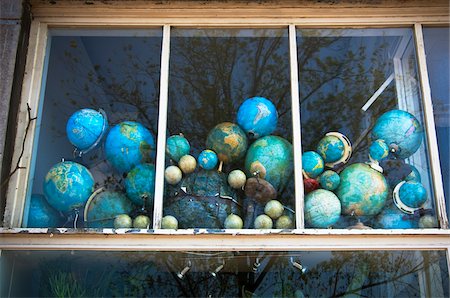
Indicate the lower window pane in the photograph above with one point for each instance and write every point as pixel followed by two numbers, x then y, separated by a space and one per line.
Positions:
pixel 225 274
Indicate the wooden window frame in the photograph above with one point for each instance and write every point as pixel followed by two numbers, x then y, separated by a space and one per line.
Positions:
pixel 202 239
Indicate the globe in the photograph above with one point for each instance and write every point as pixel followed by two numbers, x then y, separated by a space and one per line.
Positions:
pixel 206 203
pixel 412 194
pixel 41 214
pixel 392 218
pixel 329 180
pixel 129 144
pixel 312 164
pixel 330 148
pixel 228 141
pixel 362 191
pixel 177 146
pixel 414 175
pixel 401 131
pixel 378 150
pixel 140 185
pixel 272 157
pixel 68 185
pixel 258 117
pixel 322 209
pixel 85 128
pixel 207 159
pixel 104 206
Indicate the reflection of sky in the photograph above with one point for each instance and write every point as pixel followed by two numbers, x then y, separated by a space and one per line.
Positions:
pixel 118 74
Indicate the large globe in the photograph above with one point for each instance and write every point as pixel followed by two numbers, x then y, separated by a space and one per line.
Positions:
pixel 207 202
pixel 412 194
pixel 140 185
pixel 102 209
pixel 68 185
pixel 272 157
pixel 330 148
pixel 85 128
pixel 312 164
pixel 322 209
pixel 129 144
pixel 177 146
pixel 362 190
pixel 401 131
pixel 392 218
pixel 41 214
pixel 229 142
pixel 258 117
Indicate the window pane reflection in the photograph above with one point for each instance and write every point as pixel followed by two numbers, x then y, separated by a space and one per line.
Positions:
pixel 212 72
pixel 225 274
pixel 114 70
pixel 348 79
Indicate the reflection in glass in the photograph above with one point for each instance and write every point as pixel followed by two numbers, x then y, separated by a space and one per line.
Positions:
pixel 438 55
pixel 348 79
pixel 225 274
pixel 116 71
pixel 212 72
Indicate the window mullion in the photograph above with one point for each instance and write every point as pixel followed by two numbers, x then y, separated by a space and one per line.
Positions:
pixel 296 129
pixel 162 128
pixel 430 127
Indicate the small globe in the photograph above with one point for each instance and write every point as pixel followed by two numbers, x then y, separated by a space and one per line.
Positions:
pixel 228 141
pixel 413 194
pixel 177 146
pixel 378 150
pixel 41 214
pixel 173 175
pixel 414 175
pixel 428 222
pixel 322 209
pixel 392 218
pixel 68 185
pixel 401 131
pixel 102 208
pixel 362 190
pixel 207 159
pixel 236 179
pixel 312 164
pixel 140 185
pixel 258 117
pixel 331 148
pixel 129 144
pixel 187 164
pixel 169 222
pixel 233 221
pixel 85 128
pixel 329 180
pixel 272 157
pixel 263 222
pixel 123 221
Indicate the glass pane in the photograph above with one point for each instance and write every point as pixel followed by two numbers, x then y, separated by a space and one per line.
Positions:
pixel 99 113
pixel 224 274
pixel 437 49
pixel 364 146
pixel 229 92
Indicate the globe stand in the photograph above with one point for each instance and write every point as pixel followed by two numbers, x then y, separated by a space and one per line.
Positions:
pixel 398 202
pixel 220 167
pixel 375 164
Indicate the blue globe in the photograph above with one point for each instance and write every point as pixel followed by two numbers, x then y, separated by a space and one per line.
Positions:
pixel 177 146
pixel 140 184
pixel 85 128
pixel 312 163
pixel 330 148
pixel 414 175
pixel 322 209
pixel 378 150
pixel 41 214
pixel 68 185
pixel 329 180
pixel 401 131
pixel 392 218
pixel 413 194
pixel 207 159
pixel 258 117
pixel 129 144
pixel 102 208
